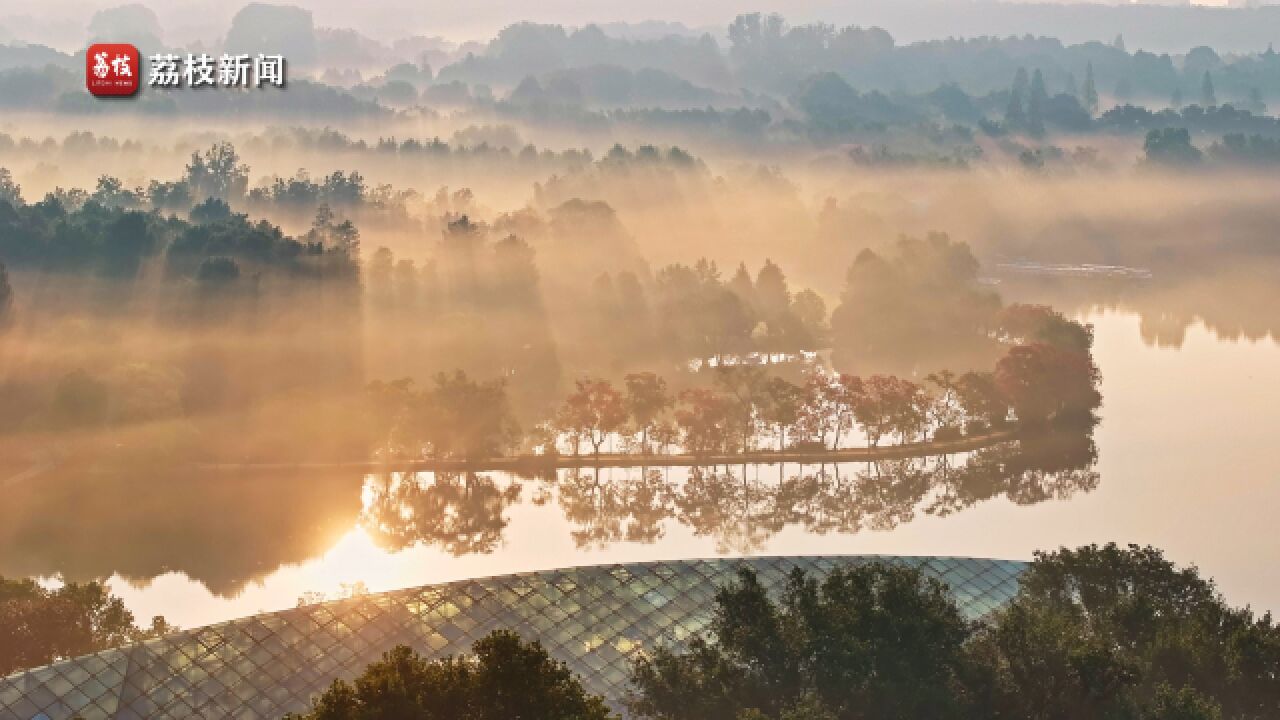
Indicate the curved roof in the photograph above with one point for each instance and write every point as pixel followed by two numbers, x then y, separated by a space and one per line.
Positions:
pixel 593 618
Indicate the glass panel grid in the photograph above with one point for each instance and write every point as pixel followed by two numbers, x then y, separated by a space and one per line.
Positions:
pixel 595 619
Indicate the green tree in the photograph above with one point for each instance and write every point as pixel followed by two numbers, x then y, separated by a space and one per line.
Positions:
pixel 218 173
pixel 1015 115
pixel 781 406
pixel 10 191
pixel 1037 100
pixel 6 298
pixel 1090 91
pixel 872 641
pixel 1171 147
pixel 1208 98
pixel 1121 632
pixel 981 400
pixel 462 418
pixel 647 400
pixel 505 678
pixel 39 626
pixel 1041 323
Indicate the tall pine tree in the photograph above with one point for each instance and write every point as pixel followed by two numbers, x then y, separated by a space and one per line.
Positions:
pixel 1015 116
pixel 1207 97
pixel 1035 106
pixel 6 298
pixel 1090 91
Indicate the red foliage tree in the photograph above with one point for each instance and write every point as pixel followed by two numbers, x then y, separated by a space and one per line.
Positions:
pixel 704 418
pixel 1044 382
pixel 888 405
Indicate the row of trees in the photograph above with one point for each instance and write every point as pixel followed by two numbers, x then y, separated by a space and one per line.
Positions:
pixel 1046 376
pixel 1095 632
pixel 105 234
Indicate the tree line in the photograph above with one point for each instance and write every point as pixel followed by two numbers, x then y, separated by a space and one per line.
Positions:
pixel 1046 377
pixel 1093 632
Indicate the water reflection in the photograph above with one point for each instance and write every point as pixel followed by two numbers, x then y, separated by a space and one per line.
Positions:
pixel 226 532
pixel 463 513
pixel 1237 302
pixel 740 507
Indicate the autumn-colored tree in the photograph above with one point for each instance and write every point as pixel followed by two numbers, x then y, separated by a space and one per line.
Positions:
pixel 827 409
pixel 593 412
pixel 781 405
pixel 646 401
pixel 888 405
pixel 704 416
pixel 1044 382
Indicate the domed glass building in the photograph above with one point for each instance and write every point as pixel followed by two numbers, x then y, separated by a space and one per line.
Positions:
pixel 595 619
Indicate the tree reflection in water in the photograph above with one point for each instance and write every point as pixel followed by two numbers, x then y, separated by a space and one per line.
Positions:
pixel 740 507
pixel 462 513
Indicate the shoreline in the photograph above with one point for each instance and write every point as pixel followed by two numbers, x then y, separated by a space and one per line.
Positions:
pixel 542 463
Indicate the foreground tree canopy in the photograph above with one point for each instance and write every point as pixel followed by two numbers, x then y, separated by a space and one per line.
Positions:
pixel 507 678
pixel 39 626
pixel 1097 632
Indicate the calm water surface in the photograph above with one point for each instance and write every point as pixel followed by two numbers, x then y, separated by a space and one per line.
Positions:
pixel 1186 462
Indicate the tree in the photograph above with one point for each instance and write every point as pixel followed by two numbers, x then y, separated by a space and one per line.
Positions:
pixel 1036 104
pixel 743 388
pixel 1208 98
pixel 6 298
pixel 462 418
pixel 1255 103
pixel 1122 632
pixel 505 678
pixel 872 641
pixel 781 406
pixel 1043 382
pixel 945 412
pixel 899 309
pixel 827 407
pixel 980 398
pixel 1015 115
pixel 10 191
pixel 1171 147
pixel 595 410
pixel 704 418
pixel 647 400
pixel 218 173
pixel 889 405
pixel 39 626
pixel 1041 323
pixel 1090 91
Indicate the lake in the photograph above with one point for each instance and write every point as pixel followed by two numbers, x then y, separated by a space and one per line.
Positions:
pixel 1185 462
